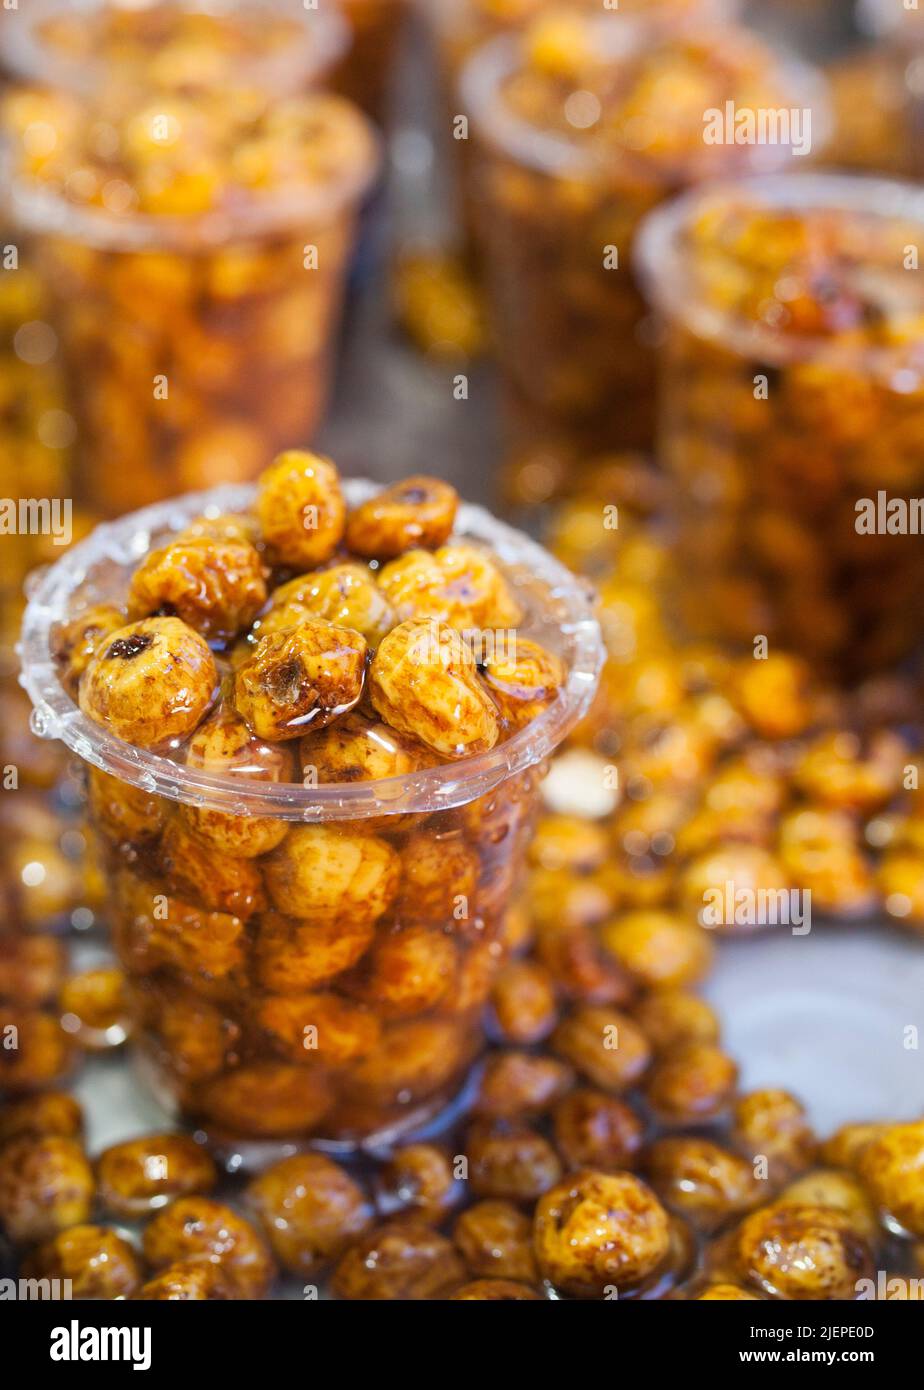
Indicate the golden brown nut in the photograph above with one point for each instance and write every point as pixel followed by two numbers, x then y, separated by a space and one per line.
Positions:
pixel 669 1017
pixel 300 676
pixel 125 815
pixel 346 595
pixel 310 1210
pixel 752 871
pixel 55 1112
pixel 200 874
pixel 599 1231
pixel 524 1004
pixel 418 511
pixel 459 585
pixel 834 1187
pixel 775 695
pixel 439 878
pixel 35 1051
pixel 46 1185
pixel 94 1008
pixel 196 1036
pixel 98 1262
pixel 293 957
pixel 594 1130
pixel 141 1175
pixel 225 747
pixel 802 1252
pixel 403 1259
pixel 266 1100
pixel 358 749
pixel 152 929
pixel 323 1026
pixel 523 680
pixel 418 1178
pixel 495 1241
pixel 76 641
pixel 660 948
pixel 892 1167
pixel 505 1290
pixel 150 682
pixel 31 969
pixel 301 509
pixel 323 873
pixel 423 681
pixel 520 1083
pixel 407 971
pixel 702 1181
pixel 691 1082
pixel 772 1124
pixel 569 842
pixel 189 1281
pixel 510 1161
pixel 846 1145
pixel 580 967
pixel 199 1228
pixel 725 1293
pixel 838 770
pixel 414 1060
pixel 217 587
pixel 605 1046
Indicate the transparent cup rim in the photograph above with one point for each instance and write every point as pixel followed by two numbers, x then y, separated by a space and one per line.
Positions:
pixel 55 715
pixel 558 156
pixel 661 263
pixel 324 39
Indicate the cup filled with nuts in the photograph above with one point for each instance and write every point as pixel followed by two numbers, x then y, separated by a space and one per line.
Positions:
pixel 314 716
pixel 195 247
pixel 792 412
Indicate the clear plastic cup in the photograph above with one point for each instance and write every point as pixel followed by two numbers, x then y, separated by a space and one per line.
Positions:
pixel 365 73
pixel 777 439
pixel 557 215
pixel 225 1001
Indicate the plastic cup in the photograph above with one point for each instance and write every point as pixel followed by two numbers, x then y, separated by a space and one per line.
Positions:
pixel 224 1005
pixel 557 217
pixel 365 73
pixel 776 440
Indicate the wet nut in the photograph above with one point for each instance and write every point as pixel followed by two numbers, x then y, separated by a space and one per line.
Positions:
pixel 98 1262
pixel 407 971
pixel 691 1082
pixel 197 1228
pixel 31 969
pixel 701 1181
pixel 76 641
pixel 300 676
pixel 152 929
pixel 660 948
pixel 418 511
pixel 520 1083
pixel 217 587
pixel 802 1252
pixel 775 695
pixel 594 1130
pixel 54 1112
pixel 126 815
pixel 195 1035
pixel 510 1161
pixel 189 1281
pixel 756 875
pixel 401 1260
pixel 524 1003
pixel 598 1231
pixel 606 1046
pixel 581 969
pixel 266 1100
pixel 725 1293
pixel 200 874
pixel 358 749
pixel 459 586
pixel 310 1210
pixel 423 681
pixel 345 595
pixel 668 1017
pixel 569 842
pixel 326 874
pixel 838 770
pixel 225 747
pixel 305 1027
pixel 46 1185
pixel 832 1187
pixel 524 681
pixel 149 682
pixel 439 878
pixel 35 1050
pixel 141 1175
pixel 772 1124
pixel 94 1008
pixel 414 1059
pixel 301 509
pixel 494 1289
pixel 495 1240
pixel 820 852
pixel 419 1178
pixel 892 1167
pixel 293 957
pixel 846 1145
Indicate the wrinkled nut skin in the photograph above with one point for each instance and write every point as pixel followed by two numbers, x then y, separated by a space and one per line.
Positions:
pixel 418 1178
pixel 407 971
pixel 403 1259
pixel 141 1175
pixel 324 874
pixel 773 1123
pixel 510 1161
pixel 215 586
pixel 691 1082
pixel 520 1083
pixel 802 1252
pixel 423 681
pixel 833 1187
pixel 189 1281
pixel 152 929
pixel 46 1185
pixel 322 1026
pixel 293 957
pixel 346 595
pixel 605 1046
pixel 594 1130
pixel 225 747
pixel 494 1239
pixel 310 1210
pixel 892 1167
pixel 594 1231
pixel 55 1112
pixel 198 1228
pixel 149 682
pixel 99 1263
pixel 75 642
pixel 494 1290
pixel 459 585
pixel 265 1100
pixel 31 969
pixel 356 748
pixel 418 511
pixel 439 878
pixel 301 509
pixel 199 874
pixel 300 676
pixel 125 815
pixel 701 1181
pixel 523 682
